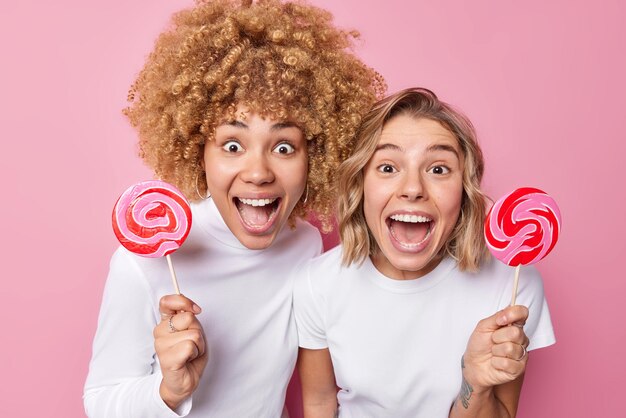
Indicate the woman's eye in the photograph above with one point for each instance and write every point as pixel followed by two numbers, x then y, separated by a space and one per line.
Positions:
pixel 232 146
pixel 284 148
pixel 439 169
pixel 386 168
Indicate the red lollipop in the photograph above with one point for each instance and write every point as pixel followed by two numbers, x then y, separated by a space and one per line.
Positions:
pixel 152 219
pixel 522 228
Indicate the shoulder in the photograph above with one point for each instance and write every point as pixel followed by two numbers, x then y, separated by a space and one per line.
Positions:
pixel 530 287
pixel 133 272
pixel 317 279
pixel 129 286
pixel 529 277
pixel 325 272
pixel 492 268
pixel 530 291
pixel 327 264
pixel 123 260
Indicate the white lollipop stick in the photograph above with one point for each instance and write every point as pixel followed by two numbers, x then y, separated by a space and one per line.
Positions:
pixel 515 283
pixel 173 274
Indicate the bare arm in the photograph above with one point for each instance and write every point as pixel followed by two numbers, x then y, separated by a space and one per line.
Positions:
pixel 319 390
pixel 493 367
pixel 501 401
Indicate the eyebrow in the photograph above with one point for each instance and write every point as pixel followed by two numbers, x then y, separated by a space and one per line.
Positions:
pixel 283 125
pixel 236 124
pixel 275 127
pixel 432 148
pixel 443 147
pixel 388 146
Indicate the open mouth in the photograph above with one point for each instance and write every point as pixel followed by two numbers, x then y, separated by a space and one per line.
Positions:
pixel 257 215
pixel 411 232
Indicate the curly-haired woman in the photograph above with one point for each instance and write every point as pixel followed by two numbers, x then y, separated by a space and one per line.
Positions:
pixel 248 109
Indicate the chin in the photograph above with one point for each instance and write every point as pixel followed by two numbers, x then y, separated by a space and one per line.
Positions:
pixel 411 264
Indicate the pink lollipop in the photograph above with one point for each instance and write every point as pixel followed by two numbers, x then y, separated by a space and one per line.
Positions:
pixel 152 219
pixel 522 228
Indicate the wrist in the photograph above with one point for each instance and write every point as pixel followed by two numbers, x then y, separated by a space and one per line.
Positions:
pixel 483 392
pixel 472 385
pixel 470 397
pixel 474 377
pixel 477 387
pixel 171 399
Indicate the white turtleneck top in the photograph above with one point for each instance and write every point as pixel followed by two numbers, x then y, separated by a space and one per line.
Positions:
pixel 245 296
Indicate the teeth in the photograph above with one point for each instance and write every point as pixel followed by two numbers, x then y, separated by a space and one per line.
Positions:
pixel 410 218
pixel 257 202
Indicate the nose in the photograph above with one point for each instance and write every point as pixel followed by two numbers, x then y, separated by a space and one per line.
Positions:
pixel 257 170
pixel 412 187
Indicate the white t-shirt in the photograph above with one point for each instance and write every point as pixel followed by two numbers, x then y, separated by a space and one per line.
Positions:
pixel 245 296
pixel 396 345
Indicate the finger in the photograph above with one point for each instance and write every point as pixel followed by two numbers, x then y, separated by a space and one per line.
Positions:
pixel 495 321
pixel 506 334
pixel 181 321
pixel 175 323
pixel 172 304
pixel 169 342
pixel 513 315
pixel 509 350
pixel 200 362
pixel 510 367
pixel 179 355
pixel 489 324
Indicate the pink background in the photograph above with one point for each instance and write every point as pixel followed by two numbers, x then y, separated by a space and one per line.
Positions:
pixel 543 82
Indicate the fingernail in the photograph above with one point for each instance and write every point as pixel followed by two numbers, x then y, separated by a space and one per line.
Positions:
pixel 501 320
pixel 196 308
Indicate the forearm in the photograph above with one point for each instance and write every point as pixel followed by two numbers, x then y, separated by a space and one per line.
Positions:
pixel 477 404
pixel 321 408
pixel 137 397
pixel 319 390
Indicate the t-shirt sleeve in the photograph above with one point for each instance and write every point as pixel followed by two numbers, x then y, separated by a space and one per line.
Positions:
pixel 530 293
pixel 124 377
pixel 308 312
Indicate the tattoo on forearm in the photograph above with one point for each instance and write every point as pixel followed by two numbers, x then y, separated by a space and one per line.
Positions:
pixel 466 389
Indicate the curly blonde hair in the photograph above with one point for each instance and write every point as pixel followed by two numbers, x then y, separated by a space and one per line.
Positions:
pixel 465 244
pixel 280 60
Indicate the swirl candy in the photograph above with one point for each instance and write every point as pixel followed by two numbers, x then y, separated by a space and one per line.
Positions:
pixel 152 219
pixel 522 228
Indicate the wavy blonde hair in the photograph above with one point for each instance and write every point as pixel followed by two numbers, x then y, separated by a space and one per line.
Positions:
pixel 281 60
pixel 465 244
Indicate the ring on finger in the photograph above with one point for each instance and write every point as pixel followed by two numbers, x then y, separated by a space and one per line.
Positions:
pixel 524 353
pixel 171 325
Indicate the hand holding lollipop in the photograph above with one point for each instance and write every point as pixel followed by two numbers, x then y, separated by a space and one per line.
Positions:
pixel 152 219
pixel 522 228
